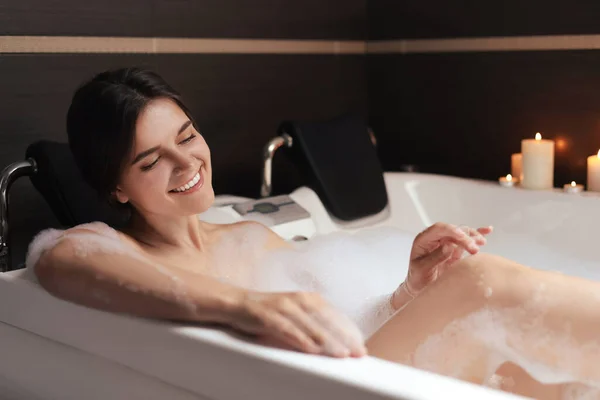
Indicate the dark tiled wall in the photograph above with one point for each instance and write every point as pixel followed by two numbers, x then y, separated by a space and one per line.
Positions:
pixel 465 113
pixel 238 100
pixel 307 19
pixel 391 19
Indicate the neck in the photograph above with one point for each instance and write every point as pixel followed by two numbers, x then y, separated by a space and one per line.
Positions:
pixel 161 231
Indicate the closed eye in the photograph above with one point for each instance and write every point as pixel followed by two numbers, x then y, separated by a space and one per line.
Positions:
pixel 188 139
pixel 149 166
pixel 184 141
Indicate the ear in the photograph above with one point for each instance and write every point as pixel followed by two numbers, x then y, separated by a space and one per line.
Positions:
pixel 120 196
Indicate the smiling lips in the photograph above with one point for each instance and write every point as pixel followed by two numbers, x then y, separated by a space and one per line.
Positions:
pixel 190 184
pixel 194 183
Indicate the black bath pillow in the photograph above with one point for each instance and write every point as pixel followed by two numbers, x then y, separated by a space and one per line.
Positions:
pixel 60 183
pixel 341 164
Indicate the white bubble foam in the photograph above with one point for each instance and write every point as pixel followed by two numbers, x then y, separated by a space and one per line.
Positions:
pixel 492 337
pixel 356 273
pixel 578 391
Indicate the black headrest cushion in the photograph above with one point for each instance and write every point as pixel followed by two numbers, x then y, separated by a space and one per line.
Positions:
pixel 341 163
pixel 59 181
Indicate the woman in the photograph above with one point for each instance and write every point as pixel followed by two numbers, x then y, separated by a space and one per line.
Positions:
pixel 136 143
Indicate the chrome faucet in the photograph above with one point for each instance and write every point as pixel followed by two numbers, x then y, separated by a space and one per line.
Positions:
pixel 7 177
pixel 268 154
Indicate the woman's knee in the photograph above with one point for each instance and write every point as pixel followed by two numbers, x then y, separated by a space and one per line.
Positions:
pixel 484 277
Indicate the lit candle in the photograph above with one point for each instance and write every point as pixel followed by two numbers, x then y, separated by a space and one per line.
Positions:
pixel 537 163
pixel 573 187
pixel 507 181
pixel 515 166
pixel 593 173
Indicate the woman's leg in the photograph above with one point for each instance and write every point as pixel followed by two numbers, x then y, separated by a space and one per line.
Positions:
pixel 488 317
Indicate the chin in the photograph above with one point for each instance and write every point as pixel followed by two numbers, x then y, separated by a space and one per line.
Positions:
pixel 208 199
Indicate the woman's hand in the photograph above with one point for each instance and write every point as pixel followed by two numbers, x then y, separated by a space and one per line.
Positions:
pixel 435 250
pixel 300 320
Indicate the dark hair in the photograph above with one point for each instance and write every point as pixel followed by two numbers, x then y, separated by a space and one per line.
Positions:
pixel 102 118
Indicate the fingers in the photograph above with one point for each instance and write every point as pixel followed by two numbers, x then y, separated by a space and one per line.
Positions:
pixel 455 256
pixel 342 328
pixel 441 232
pixel 486 230
pixel 323 337
pixel 307 323
pixel 439 255
pixel 475 234
pixel 288 333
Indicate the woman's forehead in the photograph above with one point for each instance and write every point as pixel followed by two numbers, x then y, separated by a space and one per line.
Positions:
pixel 161 118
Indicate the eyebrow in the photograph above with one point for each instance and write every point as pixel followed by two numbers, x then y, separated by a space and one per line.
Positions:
pixel 151 150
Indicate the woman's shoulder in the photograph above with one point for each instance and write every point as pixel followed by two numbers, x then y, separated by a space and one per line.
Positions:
pixel 50 238
pixel 99 228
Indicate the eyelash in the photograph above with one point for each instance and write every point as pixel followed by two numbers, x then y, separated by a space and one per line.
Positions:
pixel 184 141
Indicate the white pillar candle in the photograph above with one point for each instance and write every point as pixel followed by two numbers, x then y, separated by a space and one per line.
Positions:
pixel 593 173
pixel 537 163
pixel 515 166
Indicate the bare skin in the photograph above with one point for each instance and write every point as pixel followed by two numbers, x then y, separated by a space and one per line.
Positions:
pixel 172 266
pixel 487 281
pixel 166 269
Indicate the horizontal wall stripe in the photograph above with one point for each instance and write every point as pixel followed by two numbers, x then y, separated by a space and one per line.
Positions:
pixel 483 44
pixel 97 44
pixel 132 45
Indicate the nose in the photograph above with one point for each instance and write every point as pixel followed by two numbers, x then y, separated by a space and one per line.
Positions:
pixel 180 170
pixel 183 163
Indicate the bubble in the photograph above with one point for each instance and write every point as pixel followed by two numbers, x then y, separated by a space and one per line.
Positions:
pixel 578 391
pixel 356 273
pixel 488 292
pixel 495 381
pixel 490 337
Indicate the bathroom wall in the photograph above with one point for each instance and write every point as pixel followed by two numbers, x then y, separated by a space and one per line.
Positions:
pixel 239 95
pixel 461 107
pixel 445 106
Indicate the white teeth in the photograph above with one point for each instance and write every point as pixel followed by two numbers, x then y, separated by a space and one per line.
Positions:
pixel 190 184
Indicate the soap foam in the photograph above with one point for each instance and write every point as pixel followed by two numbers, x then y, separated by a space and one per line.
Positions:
pixel 356 273
pixel 492 337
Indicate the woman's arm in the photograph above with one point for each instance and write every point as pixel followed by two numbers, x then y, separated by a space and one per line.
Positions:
pixel 120 281
pixel 90 271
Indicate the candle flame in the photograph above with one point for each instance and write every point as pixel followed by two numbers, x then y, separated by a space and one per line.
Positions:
pixel 573 183
pixel 509 177
pixel 598 153
pixel 538 136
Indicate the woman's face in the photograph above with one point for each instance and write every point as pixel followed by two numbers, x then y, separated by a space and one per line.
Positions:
pixel 169 170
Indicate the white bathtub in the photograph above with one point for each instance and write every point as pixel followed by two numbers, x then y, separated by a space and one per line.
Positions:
pixel 55 349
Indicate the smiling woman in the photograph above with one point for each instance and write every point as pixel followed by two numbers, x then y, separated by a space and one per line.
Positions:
pixel 136 143
pixel 171 154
